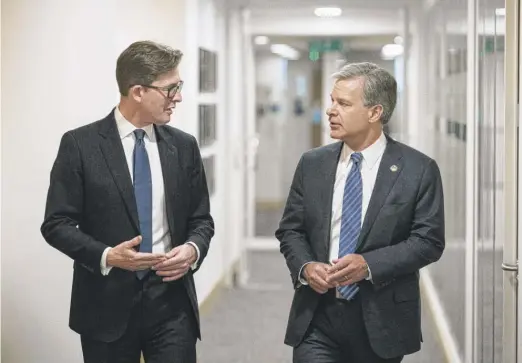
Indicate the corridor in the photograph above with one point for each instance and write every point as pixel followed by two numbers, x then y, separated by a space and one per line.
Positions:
pixel 248 325
pixel 257 78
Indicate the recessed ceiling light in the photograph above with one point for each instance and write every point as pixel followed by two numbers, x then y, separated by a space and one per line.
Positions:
pixel 261 40
pixel 285 51
pixel 328 12
pixel 390 51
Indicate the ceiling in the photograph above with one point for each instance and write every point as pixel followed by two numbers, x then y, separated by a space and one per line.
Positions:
pixel 296 5
pixel 365 25
pixel 297 18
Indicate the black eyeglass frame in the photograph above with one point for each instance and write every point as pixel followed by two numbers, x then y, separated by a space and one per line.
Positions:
pixel 171 90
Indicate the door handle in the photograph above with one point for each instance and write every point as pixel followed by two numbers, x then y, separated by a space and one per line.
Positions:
pixel 509 267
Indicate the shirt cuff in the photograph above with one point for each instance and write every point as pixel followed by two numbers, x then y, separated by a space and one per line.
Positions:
pixel 302 280
pixel 195 265
pixel 369 278
pixel 103 263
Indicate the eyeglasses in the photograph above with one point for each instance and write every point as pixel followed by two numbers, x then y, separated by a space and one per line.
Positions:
pixel 171 90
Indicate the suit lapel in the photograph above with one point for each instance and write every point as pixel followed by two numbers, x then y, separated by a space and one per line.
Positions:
pixel 326 170
pixel 389 170
pixel 170 168
pixel 114 155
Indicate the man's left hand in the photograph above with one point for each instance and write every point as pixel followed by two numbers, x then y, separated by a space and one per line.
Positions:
pixel 178 262
pixel 348 270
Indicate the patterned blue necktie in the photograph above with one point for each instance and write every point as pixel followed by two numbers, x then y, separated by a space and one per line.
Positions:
pixel 143 194
pixel 351 218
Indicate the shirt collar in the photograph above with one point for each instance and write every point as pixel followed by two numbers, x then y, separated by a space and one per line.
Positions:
pixel 370 155
pixel 125 128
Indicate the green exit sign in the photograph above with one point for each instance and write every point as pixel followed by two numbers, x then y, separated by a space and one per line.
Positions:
pixel 322 46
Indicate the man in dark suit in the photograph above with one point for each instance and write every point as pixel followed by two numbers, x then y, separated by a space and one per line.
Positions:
pixel 362 217
pixel 128 202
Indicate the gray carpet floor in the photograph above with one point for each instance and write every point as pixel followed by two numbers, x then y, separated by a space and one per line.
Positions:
pixel 267 221
pixel 248 325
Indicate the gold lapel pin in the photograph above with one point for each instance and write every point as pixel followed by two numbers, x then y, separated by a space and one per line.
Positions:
pixel 394 168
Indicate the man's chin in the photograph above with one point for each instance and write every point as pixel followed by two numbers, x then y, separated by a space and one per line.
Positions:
pixel 163 120
pixel 336 135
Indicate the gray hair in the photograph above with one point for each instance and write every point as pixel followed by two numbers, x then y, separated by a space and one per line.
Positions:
pixel 144 62
pixel 380 87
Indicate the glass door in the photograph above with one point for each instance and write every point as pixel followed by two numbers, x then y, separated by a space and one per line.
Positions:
pixel 282 123
pixel 509 14
pixel 492 197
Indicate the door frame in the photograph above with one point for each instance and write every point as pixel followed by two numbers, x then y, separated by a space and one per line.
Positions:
pixel 253 242
pixel 471 255
pixel 513 222
pixel 512 244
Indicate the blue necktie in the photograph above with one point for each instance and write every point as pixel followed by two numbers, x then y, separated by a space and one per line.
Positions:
pixel 143 194
pixel 351 218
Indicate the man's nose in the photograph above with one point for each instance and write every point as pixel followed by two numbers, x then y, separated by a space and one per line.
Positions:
pixel 178 97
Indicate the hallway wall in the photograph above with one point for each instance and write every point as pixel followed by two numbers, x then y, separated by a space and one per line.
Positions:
pixel 207 30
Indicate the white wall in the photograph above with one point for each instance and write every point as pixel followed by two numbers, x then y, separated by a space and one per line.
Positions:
pixel 210 33
pixel 420 123
pixel 235 130
pixel 58 67
pixel 250 140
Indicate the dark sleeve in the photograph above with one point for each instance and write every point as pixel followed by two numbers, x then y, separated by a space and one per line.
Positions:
pixel 63 211
pixel 426 242
pixel 291 233
pixel 200 225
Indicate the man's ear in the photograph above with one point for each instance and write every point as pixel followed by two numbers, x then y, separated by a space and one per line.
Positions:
pixel 375 113
pixel 136 93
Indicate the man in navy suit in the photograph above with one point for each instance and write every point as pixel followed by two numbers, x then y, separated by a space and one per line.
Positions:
pixel 362 217
pixel 128 202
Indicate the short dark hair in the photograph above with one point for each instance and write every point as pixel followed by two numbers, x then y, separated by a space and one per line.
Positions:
pixel 143 62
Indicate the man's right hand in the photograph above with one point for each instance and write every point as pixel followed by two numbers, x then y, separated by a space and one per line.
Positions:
pixel 125 257
pixel 315 274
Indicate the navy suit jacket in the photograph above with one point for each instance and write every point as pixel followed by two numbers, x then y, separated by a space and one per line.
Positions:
pixel 91 205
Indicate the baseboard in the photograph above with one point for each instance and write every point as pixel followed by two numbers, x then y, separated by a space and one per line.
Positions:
pixel 438 316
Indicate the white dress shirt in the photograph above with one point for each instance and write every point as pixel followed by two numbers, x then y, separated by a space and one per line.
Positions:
pixel 160 229
pixel 371 159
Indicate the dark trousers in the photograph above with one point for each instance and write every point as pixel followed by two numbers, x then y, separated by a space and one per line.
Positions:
pixel 161 325
pixel 337 335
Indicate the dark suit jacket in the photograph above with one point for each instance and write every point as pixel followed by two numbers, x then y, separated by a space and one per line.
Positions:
pixel 91 205
pixel 403 231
